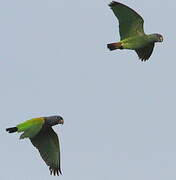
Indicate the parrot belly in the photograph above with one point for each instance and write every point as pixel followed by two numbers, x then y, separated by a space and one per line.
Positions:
pixel 134 42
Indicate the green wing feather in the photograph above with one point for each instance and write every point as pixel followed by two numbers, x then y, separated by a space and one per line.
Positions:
pixel 30 127
pixel 130 22
pixel 145 52
pixel 47 142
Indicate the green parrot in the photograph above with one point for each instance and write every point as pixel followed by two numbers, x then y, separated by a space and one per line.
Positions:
pixel 40 132
pixel 132 33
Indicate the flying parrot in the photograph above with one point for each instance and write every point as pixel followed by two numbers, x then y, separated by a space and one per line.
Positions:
pixel 40 132
pixel 132 32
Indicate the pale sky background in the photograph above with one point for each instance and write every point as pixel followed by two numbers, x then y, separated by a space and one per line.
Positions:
pixel 119 112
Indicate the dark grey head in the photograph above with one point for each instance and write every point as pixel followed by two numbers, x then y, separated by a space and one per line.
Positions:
pixel 54 120
pixel 159 37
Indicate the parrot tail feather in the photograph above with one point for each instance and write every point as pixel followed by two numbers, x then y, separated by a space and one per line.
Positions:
pixel 114 46
pixel 55 171
pixel 11 130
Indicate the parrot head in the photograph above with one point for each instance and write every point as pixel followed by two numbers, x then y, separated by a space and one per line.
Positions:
pixel 54 120
pixel 159 38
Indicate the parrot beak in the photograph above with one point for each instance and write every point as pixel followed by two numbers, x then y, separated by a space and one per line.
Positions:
pixel 161 39
pixel 61 121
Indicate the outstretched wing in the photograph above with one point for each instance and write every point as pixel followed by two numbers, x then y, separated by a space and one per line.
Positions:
pixel 47 142
pixel 130 22
pixel 145 52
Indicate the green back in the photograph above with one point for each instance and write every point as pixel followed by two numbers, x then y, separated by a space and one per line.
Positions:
pixel 30 127
pixel 47 143
pixel 130 22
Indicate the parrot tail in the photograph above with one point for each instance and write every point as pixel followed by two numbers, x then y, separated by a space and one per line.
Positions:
pixel 114 46
pixel 11 130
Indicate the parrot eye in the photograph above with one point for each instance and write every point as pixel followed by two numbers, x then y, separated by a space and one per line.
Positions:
pixel 60 120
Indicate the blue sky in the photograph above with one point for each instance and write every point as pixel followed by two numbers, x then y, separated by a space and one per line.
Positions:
pixel 119 112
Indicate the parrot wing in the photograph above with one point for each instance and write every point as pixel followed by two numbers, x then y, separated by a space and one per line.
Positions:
pixel 32 131
pixel 47 143
pixel 145 52
pixel 130 22
pixel 30 128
